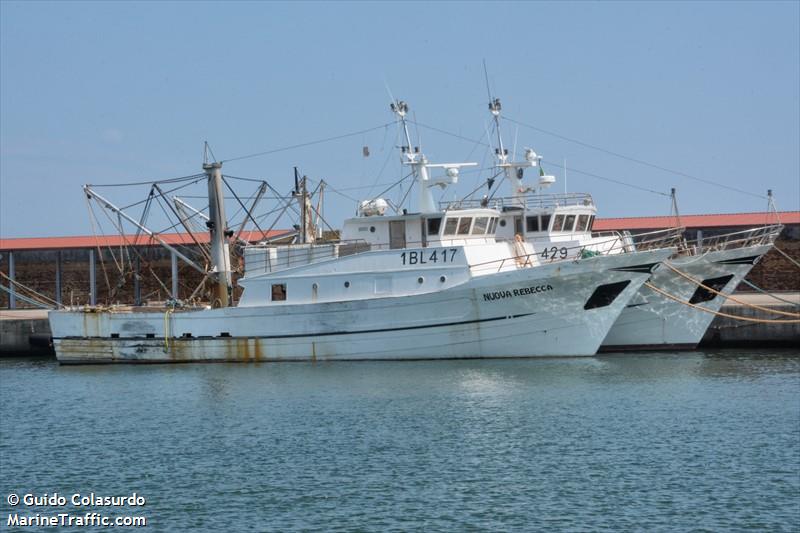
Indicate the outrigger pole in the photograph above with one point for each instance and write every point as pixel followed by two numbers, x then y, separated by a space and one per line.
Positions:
pixel 108 205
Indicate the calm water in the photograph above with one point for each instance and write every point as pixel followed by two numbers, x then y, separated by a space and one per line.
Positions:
pixel 655 442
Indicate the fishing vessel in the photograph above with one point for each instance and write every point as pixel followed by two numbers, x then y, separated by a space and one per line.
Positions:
pixel 426 285
pixel 676 307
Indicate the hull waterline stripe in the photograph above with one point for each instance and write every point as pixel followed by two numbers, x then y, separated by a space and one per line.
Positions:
pixel 323 334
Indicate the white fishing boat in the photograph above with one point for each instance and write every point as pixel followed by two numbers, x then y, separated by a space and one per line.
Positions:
pixel 425 285
pixel 673 310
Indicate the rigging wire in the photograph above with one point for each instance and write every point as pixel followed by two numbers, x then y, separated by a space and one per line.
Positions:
pixel 605 178
pixel 633 159
pixel 169 180
pixel 451 134
pixel 590 174
pixel 199 178
pixel 310 143
pixel 385 162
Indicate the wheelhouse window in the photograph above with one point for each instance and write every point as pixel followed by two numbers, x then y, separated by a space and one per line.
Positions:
pixel 450 226
pixel 492 226
pixel 545 222
pixel 591 223
pixel 434 224
pixel 463 225
pixel 278 292
pixel 569 222
pixel 532 224
pixel 479 228
pixel 558 223
pixel 583 223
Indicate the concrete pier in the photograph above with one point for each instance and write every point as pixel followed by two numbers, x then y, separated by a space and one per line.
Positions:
pixel 731 332
pixel 24 333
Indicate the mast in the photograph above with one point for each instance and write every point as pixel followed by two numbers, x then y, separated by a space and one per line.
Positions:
pixel 420 165
pixel 307 232
pixel 515 170
pixel 217 227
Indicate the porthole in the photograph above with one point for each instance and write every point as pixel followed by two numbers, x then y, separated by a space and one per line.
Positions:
pixel 502 223
pixel 372 229
pixel 443 279
pixel 314 286
pixel 420 280
pixel 346 284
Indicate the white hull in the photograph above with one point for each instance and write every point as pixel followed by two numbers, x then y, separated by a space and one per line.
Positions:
pixel 522 313
pixel 651 321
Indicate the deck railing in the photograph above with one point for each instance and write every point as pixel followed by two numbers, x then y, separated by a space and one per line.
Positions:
pixel 615 243
pixel 531 201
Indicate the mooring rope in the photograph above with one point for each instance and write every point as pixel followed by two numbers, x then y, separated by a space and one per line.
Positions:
pixel 718 313
pixel 24 298
pixel 762 291
pixel 784 254
pixel 32 291
pixel 731 297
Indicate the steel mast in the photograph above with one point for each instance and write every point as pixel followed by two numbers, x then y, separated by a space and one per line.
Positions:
pixel 218 229
pixel 514 170
pixel 420 165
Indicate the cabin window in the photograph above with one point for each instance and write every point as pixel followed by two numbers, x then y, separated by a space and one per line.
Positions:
pixel 545 222
pixel 518 225
pixel 558 223
pixel 434 224
pixel 583 223
pixel 569 222
pixel 278 292
pixel 591 223
pixel 450 226
pixel 502 223
pixel 492 226
pixel 532 224
pixel 479 228
pixel 463 225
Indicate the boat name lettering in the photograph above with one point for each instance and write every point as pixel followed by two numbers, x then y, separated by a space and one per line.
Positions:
pixel 524 291
pixel 423 257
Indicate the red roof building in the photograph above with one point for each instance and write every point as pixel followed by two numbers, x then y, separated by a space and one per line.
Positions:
pixel 705 222
pixel 104 241
pixel 715 221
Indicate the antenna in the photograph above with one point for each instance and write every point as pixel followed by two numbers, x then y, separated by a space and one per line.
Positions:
pixel 206 151
pixel 674 208
pixel 486 77
pixel 771 206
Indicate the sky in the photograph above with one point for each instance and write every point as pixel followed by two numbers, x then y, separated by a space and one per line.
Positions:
pixel 705 96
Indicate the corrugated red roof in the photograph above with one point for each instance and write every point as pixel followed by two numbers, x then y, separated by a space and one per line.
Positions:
pixel 63 243
pixel 722 220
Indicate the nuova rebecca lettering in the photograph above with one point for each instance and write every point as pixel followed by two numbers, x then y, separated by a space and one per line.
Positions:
pixel 496 295
pixel 524 291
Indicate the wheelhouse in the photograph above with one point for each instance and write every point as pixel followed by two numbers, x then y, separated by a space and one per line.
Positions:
pixel 443 228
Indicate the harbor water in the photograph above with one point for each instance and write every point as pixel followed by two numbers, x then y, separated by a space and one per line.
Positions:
pixel 675 441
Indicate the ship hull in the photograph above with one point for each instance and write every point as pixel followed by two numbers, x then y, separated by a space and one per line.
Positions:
pixel 528 312
pixel 651 321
